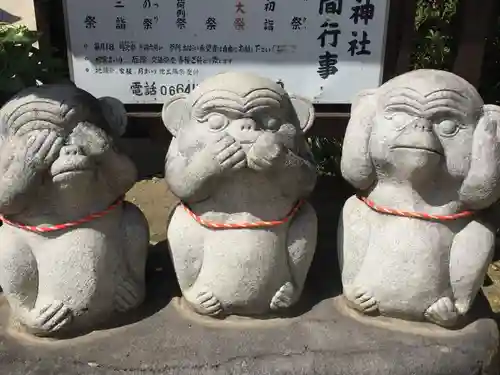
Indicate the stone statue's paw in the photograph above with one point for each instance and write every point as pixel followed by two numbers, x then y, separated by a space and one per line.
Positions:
pixel 284 297
pixel 49 319
pixel 362 299
pixel 128 295
pixel 442 312
pixel 462 307
pixel 205 303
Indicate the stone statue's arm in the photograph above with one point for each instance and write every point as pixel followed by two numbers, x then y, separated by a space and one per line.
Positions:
pixel 22 162
pixel 286 161
pixel 352 240
pixel 190 180
pixel 298 175
pixel 117 171
pixel 15 192
pixel 471 253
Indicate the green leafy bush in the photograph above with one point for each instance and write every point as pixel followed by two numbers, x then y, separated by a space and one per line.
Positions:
pixel 22 64
pixel 490 82
pixel 327 153
pixel 434 34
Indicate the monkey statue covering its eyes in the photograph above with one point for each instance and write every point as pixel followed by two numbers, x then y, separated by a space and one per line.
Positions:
pixel 239 157
pixel 58 166
pixel 424 151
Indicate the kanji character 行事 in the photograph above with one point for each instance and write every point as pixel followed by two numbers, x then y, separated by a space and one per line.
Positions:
pixel 327 64
pixel 331 29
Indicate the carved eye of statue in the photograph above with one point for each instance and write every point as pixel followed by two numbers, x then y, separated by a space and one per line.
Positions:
pixel 447 128
pixel 398 118
pixel 217 121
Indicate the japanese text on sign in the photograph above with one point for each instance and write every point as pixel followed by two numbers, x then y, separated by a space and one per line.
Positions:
pixel 143 51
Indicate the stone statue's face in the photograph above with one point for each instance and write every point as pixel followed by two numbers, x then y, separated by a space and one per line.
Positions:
pixel 244 115
pixel 72 134
pixel 79 155
pixel 420 133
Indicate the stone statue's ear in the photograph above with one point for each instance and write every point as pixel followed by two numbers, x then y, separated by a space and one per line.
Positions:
pixel 304 110
pixel 175 113
pixel 356 164
pixel 481 187
pixel 115 114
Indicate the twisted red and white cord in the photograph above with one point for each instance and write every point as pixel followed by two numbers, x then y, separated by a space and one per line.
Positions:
pixel 55 227
pixel 417 215
pixel 244 225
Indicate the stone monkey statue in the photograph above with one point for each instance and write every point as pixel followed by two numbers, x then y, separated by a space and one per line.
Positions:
pixel 59 165
pixel 423 143
pixel 239 156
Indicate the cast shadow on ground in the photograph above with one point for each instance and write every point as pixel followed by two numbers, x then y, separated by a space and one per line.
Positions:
pixel 161 287
pixel 323 280
pixel 481 309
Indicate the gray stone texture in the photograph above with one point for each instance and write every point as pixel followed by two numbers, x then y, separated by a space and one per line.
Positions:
pixel 239 155
pixel 422 142
pixel 321 337
pixel 59 163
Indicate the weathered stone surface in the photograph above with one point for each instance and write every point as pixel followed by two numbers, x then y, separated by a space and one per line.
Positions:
pixel 423 143
pixel 59 165
pixel 239 157
pixel 163 338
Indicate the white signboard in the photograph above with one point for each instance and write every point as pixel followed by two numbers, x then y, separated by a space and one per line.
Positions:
pixel 143 51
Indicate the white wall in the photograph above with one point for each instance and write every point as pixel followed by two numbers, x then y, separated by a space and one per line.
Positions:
pixel 20 10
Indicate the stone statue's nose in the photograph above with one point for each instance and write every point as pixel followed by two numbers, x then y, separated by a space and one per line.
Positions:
pixel 422 124
pixel 71 150
pixel 247 124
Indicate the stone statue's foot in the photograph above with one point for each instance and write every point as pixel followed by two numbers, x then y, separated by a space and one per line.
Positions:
pixel 284 297
pixel 442 312
pixel 49 319
pixel 204 303
pixel 128 295
pixel 362 300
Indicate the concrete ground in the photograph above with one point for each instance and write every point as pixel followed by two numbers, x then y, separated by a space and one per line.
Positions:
pixel 326 339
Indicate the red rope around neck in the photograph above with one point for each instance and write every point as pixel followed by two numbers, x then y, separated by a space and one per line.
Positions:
pixel 417 215
pixel 258 224
pixel 52 228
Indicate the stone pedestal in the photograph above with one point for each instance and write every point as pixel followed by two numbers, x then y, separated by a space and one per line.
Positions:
pixel 323 337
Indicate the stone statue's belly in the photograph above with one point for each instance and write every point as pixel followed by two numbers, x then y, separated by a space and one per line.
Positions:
pixel 244 268
pixel 246 193
pixel 406 264
pixel 80 263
